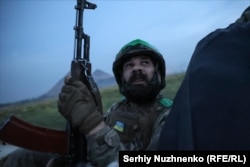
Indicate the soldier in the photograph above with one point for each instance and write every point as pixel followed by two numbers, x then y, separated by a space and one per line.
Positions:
pixel 133 123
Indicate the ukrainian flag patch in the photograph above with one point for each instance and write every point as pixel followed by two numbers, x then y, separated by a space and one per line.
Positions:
pixel 119 126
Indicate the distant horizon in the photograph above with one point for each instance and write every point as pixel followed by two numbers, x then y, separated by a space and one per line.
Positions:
pixel 35 98
pixel 37 37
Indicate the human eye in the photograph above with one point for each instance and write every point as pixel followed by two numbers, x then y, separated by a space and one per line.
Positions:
pixel 145 62
pixel 128 65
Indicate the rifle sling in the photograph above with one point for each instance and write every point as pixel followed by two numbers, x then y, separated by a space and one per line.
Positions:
pixel 20 133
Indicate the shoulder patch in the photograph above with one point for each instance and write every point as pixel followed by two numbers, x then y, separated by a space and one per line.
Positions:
pixel 166 102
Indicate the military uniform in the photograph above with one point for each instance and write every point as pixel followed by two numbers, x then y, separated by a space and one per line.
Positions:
pixel 134 123
pixel 131 127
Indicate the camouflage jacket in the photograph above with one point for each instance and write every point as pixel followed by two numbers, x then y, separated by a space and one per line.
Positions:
pixel 128 127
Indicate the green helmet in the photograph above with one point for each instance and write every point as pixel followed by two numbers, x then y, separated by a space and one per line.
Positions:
pixel 134 48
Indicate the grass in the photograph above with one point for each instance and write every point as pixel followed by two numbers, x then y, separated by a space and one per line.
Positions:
pixel 173 83
pixel 42 113
pixel 45 113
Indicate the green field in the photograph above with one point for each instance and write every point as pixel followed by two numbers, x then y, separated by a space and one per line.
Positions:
pixel 44 113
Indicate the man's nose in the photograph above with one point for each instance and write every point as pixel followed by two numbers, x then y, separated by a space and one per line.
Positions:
pixel 137 67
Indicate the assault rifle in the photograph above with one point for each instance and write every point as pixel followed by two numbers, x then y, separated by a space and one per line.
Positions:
pixel 81 70
pixel 70 143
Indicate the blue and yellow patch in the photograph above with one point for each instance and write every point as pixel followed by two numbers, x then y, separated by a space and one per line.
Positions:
pixel 119 126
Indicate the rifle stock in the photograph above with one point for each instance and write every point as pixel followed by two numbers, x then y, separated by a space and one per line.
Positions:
pixel 23 134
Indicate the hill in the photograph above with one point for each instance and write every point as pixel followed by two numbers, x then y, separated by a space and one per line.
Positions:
pixel 102 79
pixel 44 112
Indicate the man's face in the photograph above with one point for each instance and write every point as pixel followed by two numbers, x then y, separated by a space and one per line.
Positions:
pixel 138 70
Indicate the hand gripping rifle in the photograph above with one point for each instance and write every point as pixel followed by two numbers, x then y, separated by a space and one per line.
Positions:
pixel 70 142
pixel 81 70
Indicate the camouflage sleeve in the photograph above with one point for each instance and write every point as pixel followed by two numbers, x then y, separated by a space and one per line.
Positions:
pixel 105 145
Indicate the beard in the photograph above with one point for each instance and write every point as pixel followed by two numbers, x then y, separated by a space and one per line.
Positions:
pixel 139 93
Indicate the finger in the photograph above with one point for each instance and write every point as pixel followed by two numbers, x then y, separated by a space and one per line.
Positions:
pixel 78 84
pixel 67 89
pixel 68 79
pixel 62 97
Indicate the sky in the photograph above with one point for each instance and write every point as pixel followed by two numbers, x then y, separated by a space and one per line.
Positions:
pixel 37 36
